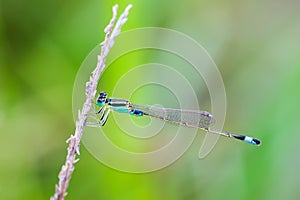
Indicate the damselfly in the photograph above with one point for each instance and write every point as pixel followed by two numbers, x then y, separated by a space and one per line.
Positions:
pixel 190 118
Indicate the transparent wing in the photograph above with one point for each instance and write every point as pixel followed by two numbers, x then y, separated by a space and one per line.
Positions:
pixel 191 118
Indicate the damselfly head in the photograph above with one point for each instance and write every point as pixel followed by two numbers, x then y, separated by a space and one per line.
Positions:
pixel 102 94
pixel 101 99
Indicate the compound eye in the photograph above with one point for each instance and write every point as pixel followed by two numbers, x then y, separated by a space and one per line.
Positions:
pixel 103 94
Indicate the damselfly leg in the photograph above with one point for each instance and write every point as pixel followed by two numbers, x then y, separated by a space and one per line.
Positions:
pixel 104 117
pixel 103 112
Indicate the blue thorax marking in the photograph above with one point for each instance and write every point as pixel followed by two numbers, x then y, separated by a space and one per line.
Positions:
pixel 120 109
pixel 100 103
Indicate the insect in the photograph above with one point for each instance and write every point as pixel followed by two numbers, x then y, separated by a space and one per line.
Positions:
pixel 189 118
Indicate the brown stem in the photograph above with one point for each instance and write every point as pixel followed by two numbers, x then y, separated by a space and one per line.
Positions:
pixel 91 86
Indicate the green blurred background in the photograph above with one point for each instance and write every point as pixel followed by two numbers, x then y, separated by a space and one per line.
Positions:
pixel 254 44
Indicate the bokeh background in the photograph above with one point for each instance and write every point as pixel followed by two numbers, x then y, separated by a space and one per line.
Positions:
pixel 254 44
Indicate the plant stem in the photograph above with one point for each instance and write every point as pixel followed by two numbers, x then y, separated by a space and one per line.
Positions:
pixel 91 89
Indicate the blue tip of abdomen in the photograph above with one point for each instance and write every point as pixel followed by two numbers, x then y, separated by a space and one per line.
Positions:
pixel 251 140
